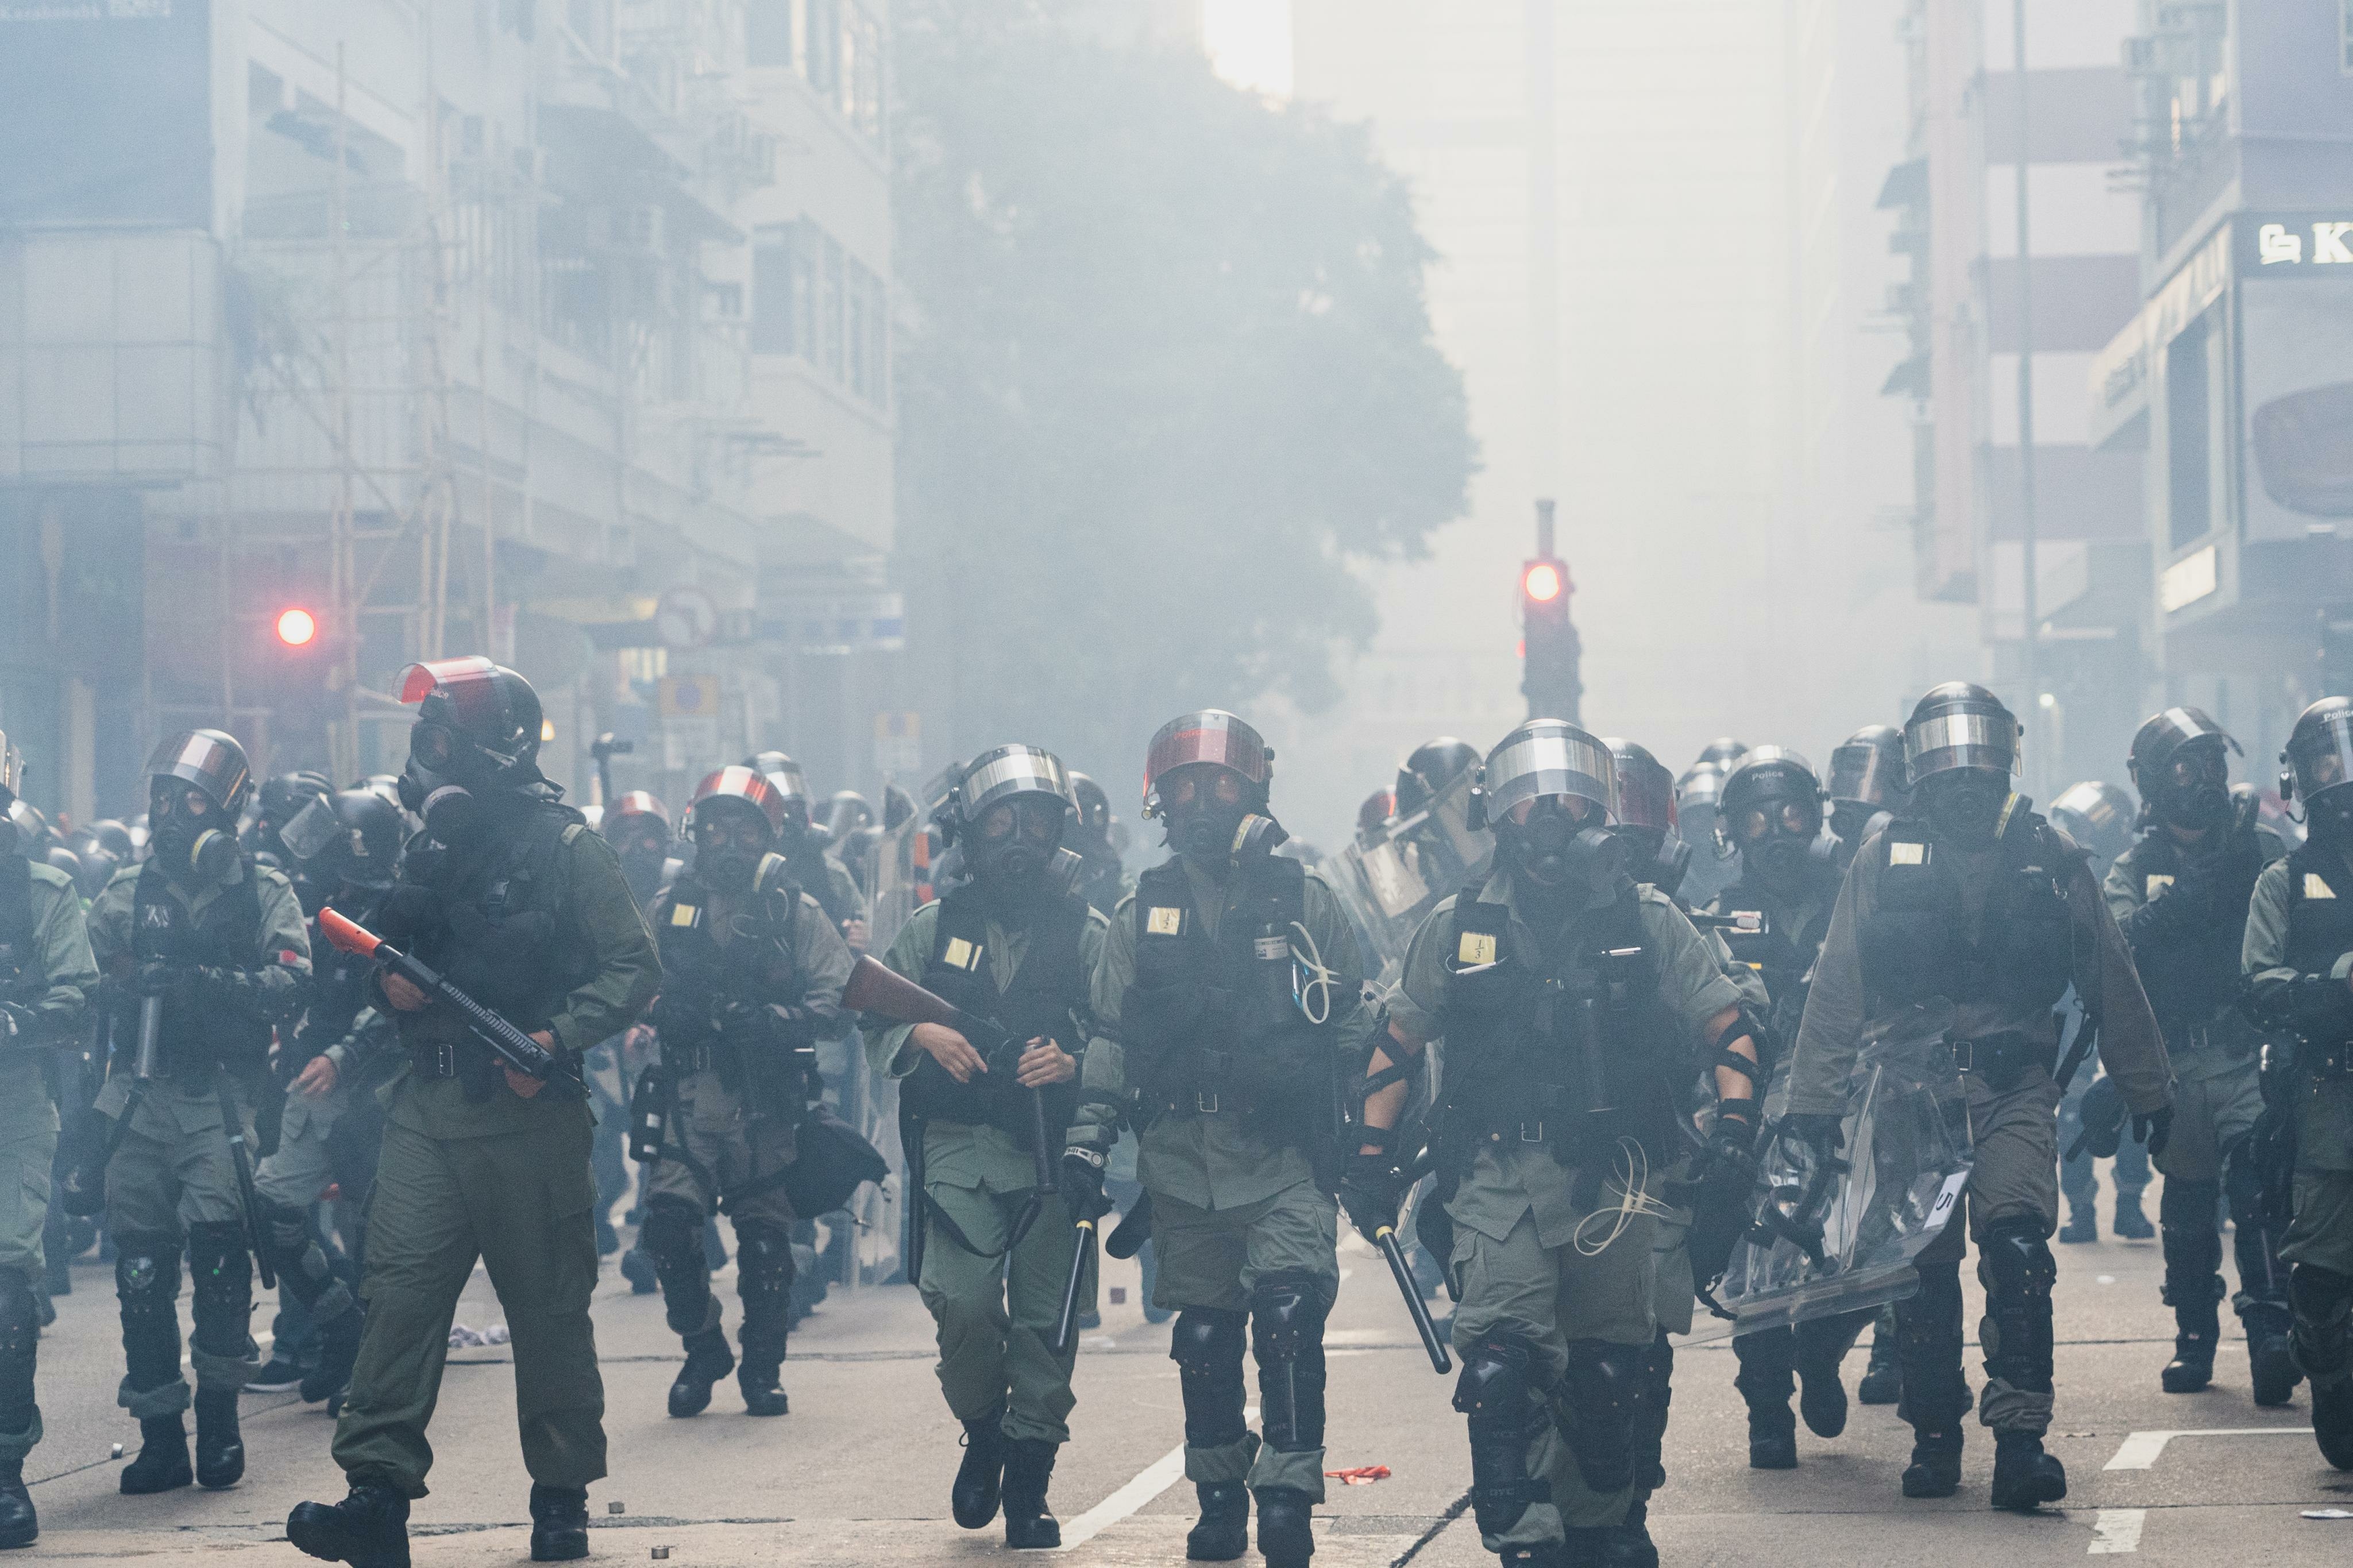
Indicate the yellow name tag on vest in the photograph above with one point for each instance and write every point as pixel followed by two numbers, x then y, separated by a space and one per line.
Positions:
pixel 961 954
pixel 1907 854
pixel 1475 947
pixel 2314 888
pixel 1164 923
pixel 685 914
pixel 2157 883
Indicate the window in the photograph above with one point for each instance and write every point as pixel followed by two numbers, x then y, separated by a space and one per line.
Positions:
pixel 768 32
pixel 784 288
pixel 829 310
pixel 821 62
pixel 2187 440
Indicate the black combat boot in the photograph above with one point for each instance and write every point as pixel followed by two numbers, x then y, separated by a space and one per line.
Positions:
pixel 338 1347
pixel 973 1499
pixel 1222 1534
pixel 2024 1476
pixel 1820 1353
pixel 1883 1379
pixel 163 1460
pixel 2323 1342
pixel 559 1523
pixel 1030 1525
pixel 2262 1301
pixel 764 1279
pixel 1767 1379
pixel 762 1390
pixel 1630 1544
pixel 1285 1539
pixel 368 1528
pixel 708 1359
pixel 20 1346
pixel 2193 1281
pixel 2083 1224
pixel 1935 1394
pixel 2332 1420
pixel 1935 1466
pixel 220 1447
pixel 2131 1224
pixel 19 1525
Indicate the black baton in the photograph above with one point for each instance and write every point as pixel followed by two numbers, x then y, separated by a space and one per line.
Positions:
pixel 1385 1240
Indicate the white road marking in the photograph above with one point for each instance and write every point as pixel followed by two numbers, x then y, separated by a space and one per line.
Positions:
pixel 1155 1478
pixel 2140 1450
pixel 2117 1529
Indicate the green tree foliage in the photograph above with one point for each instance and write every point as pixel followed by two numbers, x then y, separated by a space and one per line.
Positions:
pixel 1165 372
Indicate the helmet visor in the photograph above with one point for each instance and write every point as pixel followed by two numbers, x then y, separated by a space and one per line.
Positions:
pixel 1646 793
pixel 1549 757
pixel 1965 740
pixel 313 827
pixel 1866 775
pixel 1210 736
pixel 752 788
pixel 1009 771
pixel 204 759
pixel 2320 753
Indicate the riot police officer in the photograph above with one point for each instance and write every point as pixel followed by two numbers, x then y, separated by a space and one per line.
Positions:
pixel 1979 904
pixel 1103 880
pixel 1770 814
pixel 2180 896
pixel 1016 947
pixel 1712 870
pixel 638 827
pixel 1866 786
pixel 518 904
pixel 209 947
pixel 1428 770
pixel 277 802
pixel 1228 997
pixel 46 978
pixel 2294 962
pixel 818 871
pixel 348 847
pixel 2099 817
pixel 752 977
pixel 1548 1117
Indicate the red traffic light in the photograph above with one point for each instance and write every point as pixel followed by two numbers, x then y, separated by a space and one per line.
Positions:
pixel 297 627
pixel 1543 582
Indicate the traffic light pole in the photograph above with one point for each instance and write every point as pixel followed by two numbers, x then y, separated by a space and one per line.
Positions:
pixel 1549 649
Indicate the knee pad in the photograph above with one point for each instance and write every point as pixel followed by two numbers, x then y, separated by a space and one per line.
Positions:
pixel 222 1272
pixel 2020 1260
pixel 1287 1312
pixel 146 1273
pixel 1500 1394
pixel 1206 1343
pixel 764 1262
pixel 1287 1332
pixel 672 1236
pixel 1206 1339
pixel 1600 1396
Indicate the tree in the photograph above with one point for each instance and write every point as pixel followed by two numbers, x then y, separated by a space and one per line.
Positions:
pixel 1165 372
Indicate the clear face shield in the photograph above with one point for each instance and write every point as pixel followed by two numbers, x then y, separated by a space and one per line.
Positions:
pixel 2319 763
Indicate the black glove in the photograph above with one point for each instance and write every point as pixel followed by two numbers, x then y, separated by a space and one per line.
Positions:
pixel 2154 1129
pixel 2102 1113
pixel 1081 1181
pixel 678 1017
pixel 1373 1189
pixel 1821 1131
pixel 172 981
pixel 1732 1142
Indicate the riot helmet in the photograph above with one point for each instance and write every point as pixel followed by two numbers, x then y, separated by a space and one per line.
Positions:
pixel 58 858
pixel 1423 776
pixel 98 865
pixel 2316 765
pixel 1867 782
pixel 196 784
pixel 349 839
pixel 1092 806
pixel 898 807
pixel 477 734
pixel 1007 811
pixel 734 819
pixel 638 827
pixel 29 830
pixel 1960 754
pixel 1549 792
pixel 1771 812
pixel 284 795
pixel 2181 763
pixel 1646 808
pixel 785 777
pixel 2098 817
pixel 114 838
pixel 1206 777
pixel 846 813
pixel 1724 751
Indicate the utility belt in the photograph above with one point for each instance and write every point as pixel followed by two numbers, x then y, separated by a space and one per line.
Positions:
pixel 2002 1060
pixel 2225 1034
pixel 2334 1060
pixel 1207 1091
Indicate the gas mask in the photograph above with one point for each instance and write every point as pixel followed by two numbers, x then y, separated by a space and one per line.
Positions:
pixel 1009 848
pixel 1206 809
pixel 2328 817
pixel 1554 849
pixel 193 843
pixel 1653 857
pixel 2195 793
pixel 435 781
pixel 729 847
pixel 1965 806
pixel 642 858
pixel 1854 820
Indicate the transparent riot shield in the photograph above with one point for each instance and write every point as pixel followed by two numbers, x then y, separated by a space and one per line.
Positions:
pixel 899 875
pixel 1841 1236
pixel 1388 887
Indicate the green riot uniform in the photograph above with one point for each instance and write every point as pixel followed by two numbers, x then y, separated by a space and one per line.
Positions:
pixel 750 983
pixel 1554 1262
pixel 1234 1101
pixel 997 1309
pixel 1999 932
pixel 48 976
pixel 2182 907
pixel 535 920
pixel 232 958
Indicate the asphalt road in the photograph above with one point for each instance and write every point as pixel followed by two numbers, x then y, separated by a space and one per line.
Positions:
pixel 858 1472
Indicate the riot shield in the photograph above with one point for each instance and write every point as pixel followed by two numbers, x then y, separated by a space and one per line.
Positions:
pixel 899 873
pixel 1841 1236
pixel 1389 886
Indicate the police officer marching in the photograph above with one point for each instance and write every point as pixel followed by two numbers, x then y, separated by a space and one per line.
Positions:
pixel 48 976
pixel 2181 895
pixel 1573 1004
pixel 2298 953
pixel 1226 1000
pixel 1017 947
pixel 207 955
pixel 521 908
pixel 1977 904
pixel 752 977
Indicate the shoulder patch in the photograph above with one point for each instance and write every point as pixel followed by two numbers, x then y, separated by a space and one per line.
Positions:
pixel 1903 852
pixel 686 917
pixel 2316 886
pixel 2153 884
pixel 1474 947
pixel 1164 920
pixel 961 954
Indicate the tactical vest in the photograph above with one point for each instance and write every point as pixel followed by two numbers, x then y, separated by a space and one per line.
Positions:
pixel 759 966
pixel 342 987
pixel 814 871
pixel 1915 944
pixel 1047 997
pixel 497 921
pixel 21 979
pixel 2194 982
pixel 1782 957
pixel 1209 1028
pixel 2320 910
pixel 1567 1046
pixel 196 1038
